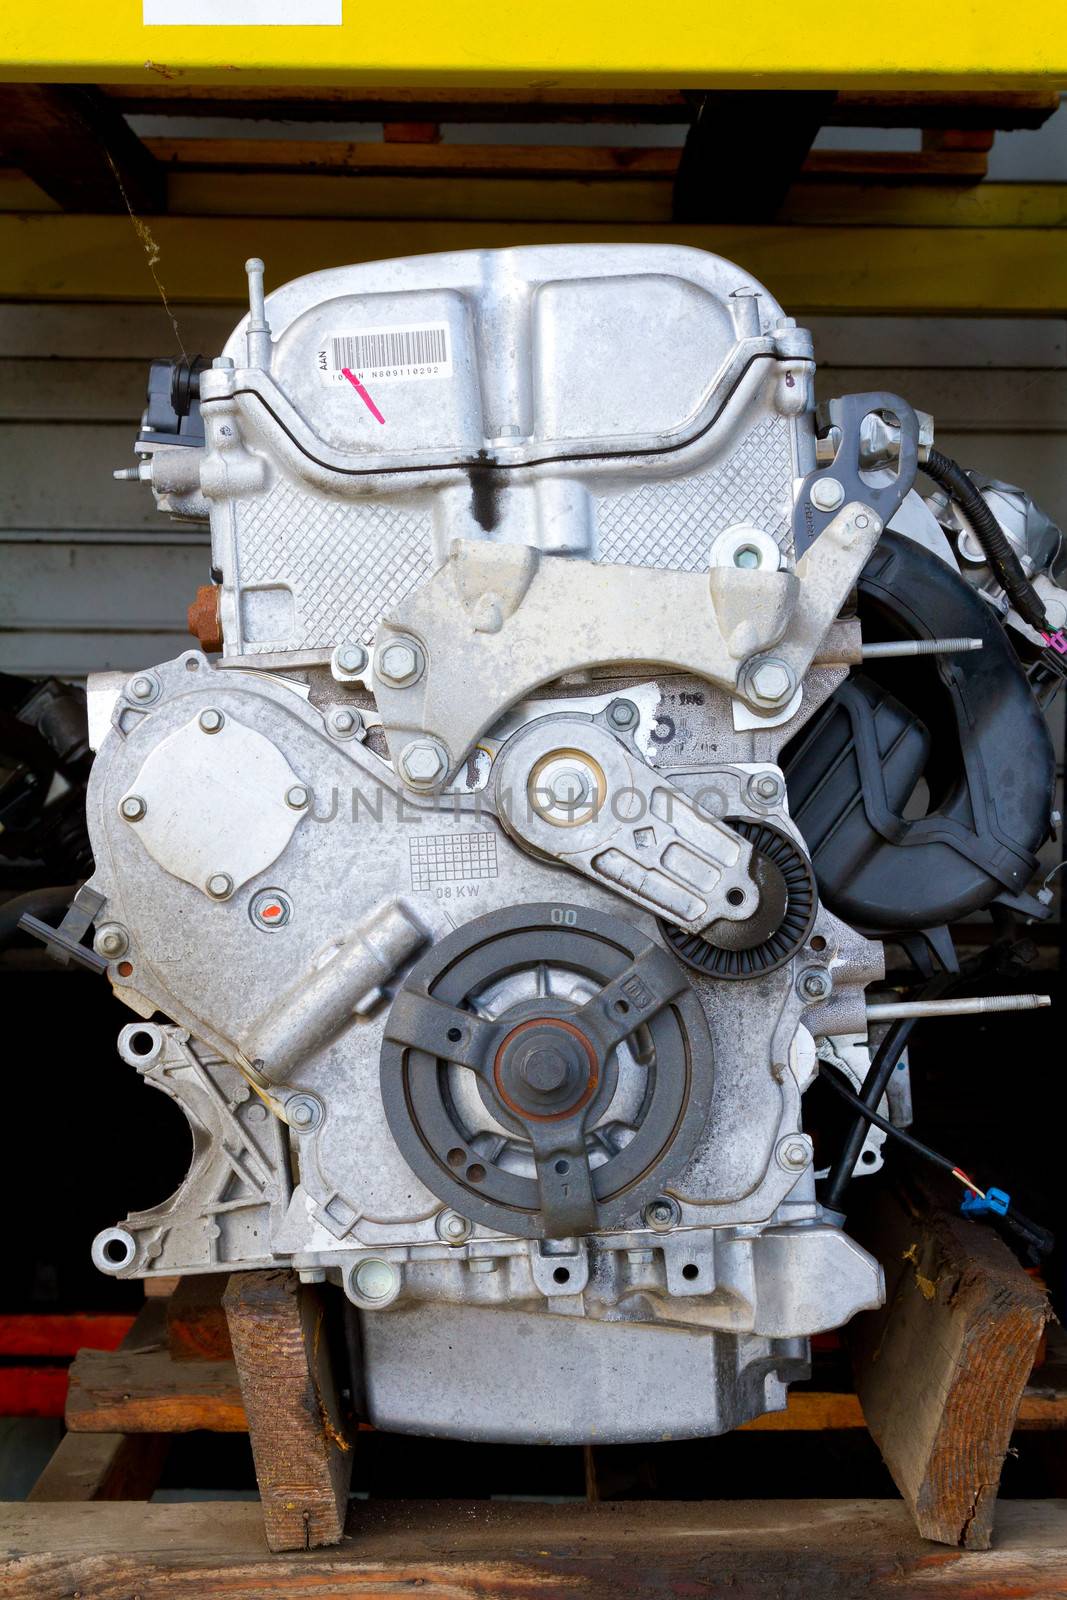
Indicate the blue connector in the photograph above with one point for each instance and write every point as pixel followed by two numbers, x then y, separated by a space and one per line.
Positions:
pixel 973 1205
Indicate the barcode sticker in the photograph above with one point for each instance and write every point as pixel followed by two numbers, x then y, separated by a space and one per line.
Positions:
pixel 380 355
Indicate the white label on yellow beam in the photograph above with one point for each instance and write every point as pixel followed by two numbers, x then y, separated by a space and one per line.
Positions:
pixel 241 13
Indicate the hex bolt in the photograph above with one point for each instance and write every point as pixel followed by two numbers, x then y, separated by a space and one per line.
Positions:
pixel 570 788
pixel 111 940
pixel 211 721
pixel 343 723
pixel 770 681
pixel 766 786
pixel 661 1214
pixel 351 657
pixel 133 808
pixel 400 663
pixel 795 1153
pixel 143 689
pixel 622 714
pixel 220 885
pixel 452 1228
pixel 303 1113
pixel 827 494
pixel 814 983
pixel 297 797
pixel 423 762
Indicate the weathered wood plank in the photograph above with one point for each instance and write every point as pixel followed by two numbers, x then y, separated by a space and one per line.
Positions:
pixel 941 1368
pixel 464 1550
pixel 301 1446
pixel 78 148
pixel 197 1329
pixel 147 1392
pixel 103 1466
pixel 864 108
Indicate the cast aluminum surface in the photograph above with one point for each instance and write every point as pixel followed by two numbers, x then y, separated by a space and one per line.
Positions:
pixel 555 502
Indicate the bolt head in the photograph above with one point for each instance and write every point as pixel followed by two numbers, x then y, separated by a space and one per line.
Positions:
pixel 815 984
pixel 211 721
pixel 142 689
pixel 622 714
pixel 351 657
pixel 570 788
pixel 343 723
pixel 452 1228
pixel 796 1154
pixel 220 885
pixel 771 681
pixel 111 940
pixel 133 808
pixel 423 762
pixel 270 909
pixel 766 786
pixel 399 663
pixel 747 557
pixel 661 1214
pixel 297 797
pixel 302 1112
pixel 827 494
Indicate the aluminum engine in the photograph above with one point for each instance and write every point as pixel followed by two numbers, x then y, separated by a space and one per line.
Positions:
pixel 460 862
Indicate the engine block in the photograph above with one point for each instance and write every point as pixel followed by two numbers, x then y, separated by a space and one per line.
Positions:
pixel 453 881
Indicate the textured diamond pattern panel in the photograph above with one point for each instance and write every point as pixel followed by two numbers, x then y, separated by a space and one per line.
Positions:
pixel 346 563
pixel 673 524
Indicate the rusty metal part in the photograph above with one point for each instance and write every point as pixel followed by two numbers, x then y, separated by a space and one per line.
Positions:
pixel 203 618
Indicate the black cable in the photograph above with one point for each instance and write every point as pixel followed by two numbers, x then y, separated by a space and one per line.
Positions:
pixel 874 1086
pixel 1033 1234
pixel 991 536
pixel 868 1114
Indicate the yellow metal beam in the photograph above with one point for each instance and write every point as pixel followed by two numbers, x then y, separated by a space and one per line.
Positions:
pixel 974 271
pixel 690 43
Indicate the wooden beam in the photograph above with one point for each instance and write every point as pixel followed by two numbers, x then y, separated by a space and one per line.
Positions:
pixel 743 152
pixel 469 1550
pixel 301 1446
pixel 147 1392
pixel 77 147
pixel 103 1466
pixel 197 1329
pixel 178 1394
pixel 862 108
pixel 811 269
pixel 941 1368
pixel 413 157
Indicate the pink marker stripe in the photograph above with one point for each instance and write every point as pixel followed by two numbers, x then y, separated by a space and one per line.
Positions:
pixel 363 395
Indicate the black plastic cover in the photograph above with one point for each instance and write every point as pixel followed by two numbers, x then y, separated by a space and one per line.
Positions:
pixel 968 722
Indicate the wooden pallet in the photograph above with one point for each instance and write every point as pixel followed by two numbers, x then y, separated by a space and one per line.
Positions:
pixel 474 1550
pixel 942 1376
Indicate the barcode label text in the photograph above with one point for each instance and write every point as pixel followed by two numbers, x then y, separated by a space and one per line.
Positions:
pixel 378 355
